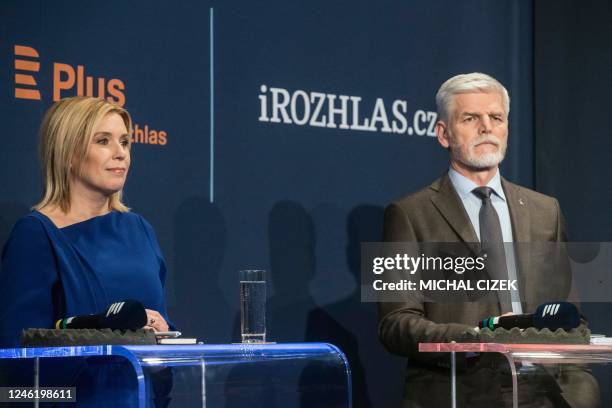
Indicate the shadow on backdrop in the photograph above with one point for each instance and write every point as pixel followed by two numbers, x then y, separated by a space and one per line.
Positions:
pixel 348 322
pixel 291 244
pixel 201 310
pixel 10 212
pixel 292 267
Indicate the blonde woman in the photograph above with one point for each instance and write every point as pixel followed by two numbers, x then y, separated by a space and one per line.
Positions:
pixel 80 249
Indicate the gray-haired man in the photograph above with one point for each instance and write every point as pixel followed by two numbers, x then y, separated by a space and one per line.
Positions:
pixel 472 203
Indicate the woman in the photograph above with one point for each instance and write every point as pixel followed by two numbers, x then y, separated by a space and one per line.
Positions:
pixel 80 249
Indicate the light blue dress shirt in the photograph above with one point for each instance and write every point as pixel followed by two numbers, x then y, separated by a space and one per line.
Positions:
pixel 471 203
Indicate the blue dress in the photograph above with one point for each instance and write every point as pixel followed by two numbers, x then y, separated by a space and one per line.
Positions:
pixel 49 273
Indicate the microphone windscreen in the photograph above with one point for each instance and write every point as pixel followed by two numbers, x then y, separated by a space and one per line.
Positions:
pixel 556 315
pixel 125 315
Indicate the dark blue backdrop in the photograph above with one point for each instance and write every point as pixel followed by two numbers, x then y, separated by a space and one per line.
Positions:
pixel 228 191
pixel 573 149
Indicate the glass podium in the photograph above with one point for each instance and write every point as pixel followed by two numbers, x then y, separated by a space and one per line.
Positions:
pixel 232 375
pixel 523 359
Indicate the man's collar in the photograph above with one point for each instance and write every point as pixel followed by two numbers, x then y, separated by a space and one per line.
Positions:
pixel 464 185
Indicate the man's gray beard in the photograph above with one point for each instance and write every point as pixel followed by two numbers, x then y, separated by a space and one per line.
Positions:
pixel 479 162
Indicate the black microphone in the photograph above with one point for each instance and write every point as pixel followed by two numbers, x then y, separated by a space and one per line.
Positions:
pixel 552 316
pixel 125 315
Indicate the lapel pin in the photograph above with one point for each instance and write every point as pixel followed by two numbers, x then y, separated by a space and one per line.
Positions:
pixel 521 202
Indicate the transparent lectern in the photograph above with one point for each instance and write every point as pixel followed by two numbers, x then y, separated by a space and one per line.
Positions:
pixel 234 375
pixel 522 358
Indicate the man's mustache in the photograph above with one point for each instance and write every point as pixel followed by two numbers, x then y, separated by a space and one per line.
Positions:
pixel 485 139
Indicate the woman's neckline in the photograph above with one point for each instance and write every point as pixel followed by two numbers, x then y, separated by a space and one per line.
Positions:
pixel 75 223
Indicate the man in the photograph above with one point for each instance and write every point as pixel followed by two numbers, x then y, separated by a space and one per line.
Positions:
pixel 470 202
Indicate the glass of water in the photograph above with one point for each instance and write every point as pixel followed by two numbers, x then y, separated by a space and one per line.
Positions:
pixel 253 306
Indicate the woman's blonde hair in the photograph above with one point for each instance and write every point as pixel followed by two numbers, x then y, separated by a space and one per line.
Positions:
pixel 66 133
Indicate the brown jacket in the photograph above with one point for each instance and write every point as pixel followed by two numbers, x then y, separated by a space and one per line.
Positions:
pixel 436 214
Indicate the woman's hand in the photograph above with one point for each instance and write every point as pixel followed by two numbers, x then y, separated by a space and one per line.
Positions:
pixel 155 321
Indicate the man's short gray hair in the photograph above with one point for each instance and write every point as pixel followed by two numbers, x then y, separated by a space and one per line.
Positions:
pixel 467 83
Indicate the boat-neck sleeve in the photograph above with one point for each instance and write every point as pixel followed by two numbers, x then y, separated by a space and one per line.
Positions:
pixel 150 232
pixel 28 282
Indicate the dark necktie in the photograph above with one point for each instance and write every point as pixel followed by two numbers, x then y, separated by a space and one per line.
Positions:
pixel 492 243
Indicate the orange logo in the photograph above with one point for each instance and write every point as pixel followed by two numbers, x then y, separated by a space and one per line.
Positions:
pixel 23 79
pixel 68 80
pixel 65 77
